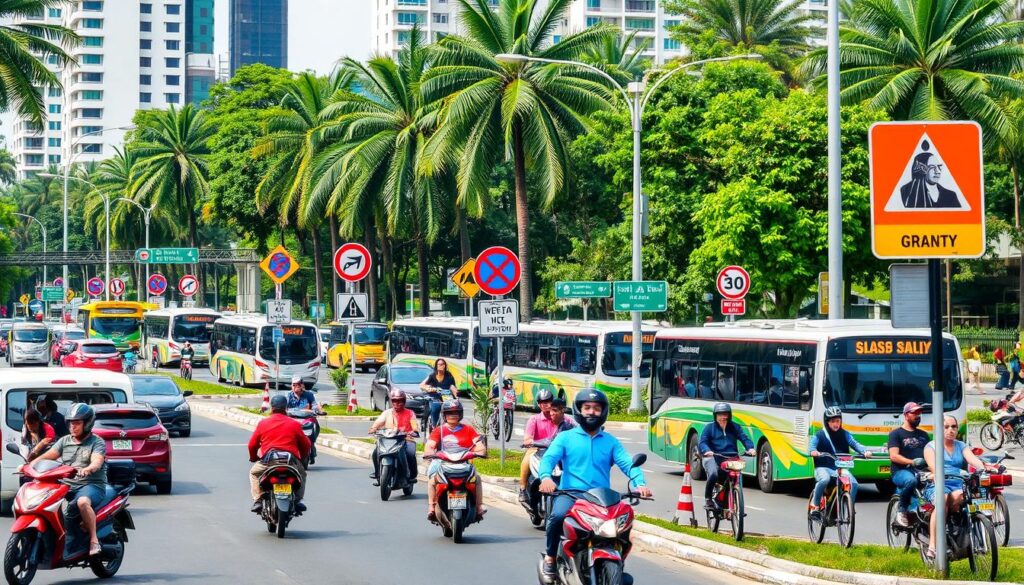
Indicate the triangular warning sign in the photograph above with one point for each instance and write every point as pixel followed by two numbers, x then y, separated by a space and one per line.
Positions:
pixel 926 183
pixel 353 311
pixel 466 278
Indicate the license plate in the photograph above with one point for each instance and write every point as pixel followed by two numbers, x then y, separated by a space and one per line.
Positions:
pixel 100 361
pixel 457 501
pixel 983 506
pixel 844 464
pixel 884 469
pixel 283 488
pixel 122 445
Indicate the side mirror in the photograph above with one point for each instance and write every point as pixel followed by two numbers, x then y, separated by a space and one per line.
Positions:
pixel 387 337
pixel 13 448
pixel 187 393
pixel 639 459
pixel 920 464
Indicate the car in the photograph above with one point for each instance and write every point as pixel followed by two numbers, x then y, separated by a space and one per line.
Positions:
pixel 163 394
pixel 96 354
pixel 5 331
pixel 28 343
pixel 63 335
pixel 407 377
pixel 133 432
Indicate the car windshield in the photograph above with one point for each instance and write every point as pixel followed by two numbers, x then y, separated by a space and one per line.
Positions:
pixel 126 420
pixel 99 349
pixel 30 335
pixel 114 325
pixel 885 386
pixel 300 344
pixel 192 328
pixel 618 349
pixel 71 335
pixel 154 387
pixel 370 335
pixel 409 375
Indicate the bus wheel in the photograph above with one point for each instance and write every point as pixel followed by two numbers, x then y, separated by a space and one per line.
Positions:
pixel 695 459
pixel 765 468
pixel 220 377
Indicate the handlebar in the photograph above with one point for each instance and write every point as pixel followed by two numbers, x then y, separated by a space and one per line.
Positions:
pixel 831 456
pixel 576 493
pixel 466 457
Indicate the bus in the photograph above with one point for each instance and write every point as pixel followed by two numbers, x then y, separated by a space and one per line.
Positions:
pixel 423 340
pixel 780 375
pixel 167 330
pixel 567 356
pixel 118 321
pixel 370 352
pixel 242 351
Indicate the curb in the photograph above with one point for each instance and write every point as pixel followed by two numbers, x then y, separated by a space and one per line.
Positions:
pixel 741 562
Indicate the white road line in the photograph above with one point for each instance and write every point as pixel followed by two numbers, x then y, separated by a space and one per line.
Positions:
pixel 755 508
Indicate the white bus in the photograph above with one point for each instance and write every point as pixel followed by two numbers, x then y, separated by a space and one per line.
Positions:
pixel 242 351
pixel 424 340
pixel 780 375
pixel 165 332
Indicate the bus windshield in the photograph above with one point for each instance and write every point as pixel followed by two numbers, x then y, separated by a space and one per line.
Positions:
pixel 301 344
pixel 30 335
pixel 618 349
pixel 370 334
pixel 114 325
pixel 885 386
pixel 192 328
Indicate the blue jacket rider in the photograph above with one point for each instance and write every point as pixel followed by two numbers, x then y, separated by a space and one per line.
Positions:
pixel 717 441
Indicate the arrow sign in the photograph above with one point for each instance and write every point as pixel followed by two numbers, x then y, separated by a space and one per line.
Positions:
pixel 188 285
pixel 95 287
pixel 352 262
pixel 497 271
pixel 157 284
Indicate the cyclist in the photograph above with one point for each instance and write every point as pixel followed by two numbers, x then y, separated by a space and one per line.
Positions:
pixel 832 440
pixel 906 443
pixel 719 440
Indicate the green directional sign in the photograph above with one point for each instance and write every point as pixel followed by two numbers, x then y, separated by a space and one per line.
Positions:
pixel 582 290
pixel 53 294
pixel 649 296
pixel 167 255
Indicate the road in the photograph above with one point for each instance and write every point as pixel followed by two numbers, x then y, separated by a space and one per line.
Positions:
pixel 203 532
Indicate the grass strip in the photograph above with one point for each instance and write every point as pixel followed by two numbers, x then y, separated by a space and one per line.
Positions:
pixel 861 558
pixel 201 388
pixel 338 410
pixel 323 430
pixel 626 417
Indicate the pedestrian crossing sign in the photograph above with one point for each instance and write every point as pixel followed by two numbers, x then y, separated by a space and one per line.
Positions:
pixel 351 308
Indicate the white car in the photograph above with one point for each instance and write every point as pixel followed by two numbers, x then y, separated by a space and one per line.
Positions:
pixel 28 343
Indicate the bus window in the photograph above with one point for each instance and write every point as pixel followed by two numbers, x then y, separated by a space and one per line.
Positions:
pixel 886 385
pixel 192 328
pixel 300 344
pixel 725 382
pixel 705 382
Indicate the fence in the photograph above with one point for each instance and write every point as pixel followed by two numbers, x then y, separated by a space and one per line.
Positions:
pixel 986 339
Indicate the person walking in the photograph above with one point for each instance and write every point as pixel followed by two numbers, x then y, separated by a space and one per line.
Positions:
pixel 1001 369
pixel 974 367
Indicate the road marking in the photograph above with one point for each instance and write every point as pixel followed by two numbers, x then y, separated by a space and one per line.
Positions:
pixel 755 508
pixel 176 445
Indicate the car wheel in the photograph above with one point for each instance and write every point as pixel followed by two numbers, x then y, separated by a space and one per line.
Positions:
pixel 185 434
pixel 164 487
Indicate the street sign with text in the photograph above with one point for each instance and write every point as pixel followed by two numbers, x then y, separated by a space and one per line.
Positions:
pixel 583 290
pixel 279 312
pixel 640 295
pixel 499 318
pixel 167 255
pixel 53 294
pixel 737 307
pixel 733 282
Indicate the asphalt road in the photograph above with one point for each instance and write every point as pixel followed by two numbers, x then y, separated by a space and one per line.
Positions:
pixel 204 533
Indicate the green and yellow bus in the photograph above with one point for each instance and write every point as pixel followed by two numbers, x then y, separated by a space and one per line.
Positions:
pixel 780 375
pixel 118 321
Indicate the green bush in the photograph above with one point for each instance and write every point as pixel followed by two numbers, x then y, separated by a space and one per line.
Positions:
pixel 618 403
pixel 979 415
pixel 340 378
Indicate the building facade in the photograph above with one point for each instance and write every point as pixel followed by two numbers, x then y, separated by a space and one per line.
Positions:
pixel 131 57
pixel 200 58
pixel 259 33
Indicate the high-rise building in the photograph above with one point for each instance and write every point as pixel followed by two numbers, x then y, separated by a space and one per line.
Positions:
pixel 131 57
pixel 200 60
pixel 259 33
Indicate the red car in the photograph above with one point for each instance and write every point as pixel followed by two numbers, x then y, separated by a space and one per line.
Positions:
pixel 95 354
pixel 133 431
pixel 63 335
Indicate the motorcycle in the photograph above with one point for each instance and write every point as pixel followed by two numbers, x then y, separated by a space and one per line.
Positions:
pixel 508 408
pixel 428 399
pixel 538 503
pixel 394 465
pixel 41 538
pixel 595 537
pixel 130 362
pixel 310 428
pixel 457 495
pixel 280 484
pixel 992 486
pixel 1007 425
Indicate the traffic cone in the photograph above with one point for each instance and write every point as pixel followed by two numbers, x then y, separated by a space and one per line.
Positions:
pixel 265 406
pixel 353 404
pixel 685 503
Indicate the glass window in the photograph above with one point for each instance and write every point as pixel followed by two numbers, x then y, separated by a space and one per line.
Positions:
pixel 90 94
pixel 618 351
pixel 146 79
pixel 92 41
pixel 154 386
pixel 594 4
pixel 172 45
pixel 53 92
pixel 53 142
pixel 370 334
pixel 53 125
pixel 34 159
pixel 32 335
pixel 885 386
pixel 127 420
pixel 91 59
pixel 146 26
pixel 145 44
pixel 450 343
pixel 54 108
pixel 672 45
pixel 145 61
pixel 91 113
pixel 92 148
pixel 300 344
pixel 552 351
pixel 92 5
pixel 172 79
pixel 17 401
pixel 90 76
pixel 410 375
pixel 172 98
pixel 193 328
pixel 51 59
pixel 92 23
pixel 99 348
pixel 53 159
pixel 172 27
pixel 172 62
pixel 409 18
pixel 173 8
pixel 156 327
pixel 146 8
pixel 55 12
pixel 145 97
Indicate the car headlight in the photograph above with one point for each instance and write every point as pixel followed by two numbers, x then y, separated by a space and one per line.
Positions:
pixel 181 407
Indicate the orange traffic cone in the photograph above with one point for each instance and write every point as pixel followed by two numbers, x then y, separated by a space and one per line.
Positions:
pixel 685 503
pixel 353 404
pixel 265 406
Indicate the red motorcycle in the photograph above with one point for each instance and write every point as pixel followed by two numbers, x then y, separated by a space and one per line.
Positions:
pixel 456 499
pixel 39 537
pixel 595 537
pixel 992 486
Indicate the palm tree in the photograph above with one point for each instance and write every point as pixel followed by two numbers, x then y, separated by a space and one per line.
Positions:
pixel 371 170
pixel 23 48
pixel 931 60
pixel 745 23
pixel 8 167
pixel 522 110
pixel 172 168
pixel 621 57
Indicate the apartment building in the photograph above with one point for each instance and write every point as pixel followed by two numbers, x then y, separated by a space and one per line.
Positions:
pixel 131 57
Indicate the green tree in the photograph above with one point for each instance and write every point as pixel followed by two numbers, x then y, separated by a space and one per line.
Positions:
pixel 621 56
pixel 931 60
pixel 8 167
pixel 23 49
pixel 524 111
pixel 745 24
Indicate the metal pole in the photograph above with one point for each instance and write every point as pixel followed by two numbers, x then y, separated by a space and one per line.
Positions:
pixel 501 397
pixel 64 273
pixel 835 201
pixel 106 276
pixel 634 400
pixel 352 347
pixel 935 308
pixel 145 217
pixel 277 345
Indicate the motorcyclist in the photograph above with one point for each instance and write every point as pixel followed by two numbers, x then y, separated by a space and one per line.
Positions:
pixel 718 441
pixel 86 452
pixel 539 427
pixel 403 420
pixel 301 398
pixel 130 359
pixel 277 432
pixel 452 434
pixel 586 454
pixel 188 352
pixel 833 440
pixel 435 385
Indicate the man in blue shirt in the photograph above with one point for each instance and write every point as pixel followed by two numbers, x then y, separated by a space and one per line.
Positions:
pixel 586 454
pixel 717 442
pixel 299 397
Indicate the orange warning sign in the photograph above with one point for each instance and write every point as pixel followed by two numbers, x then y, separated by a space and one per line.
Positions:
pixel 927 190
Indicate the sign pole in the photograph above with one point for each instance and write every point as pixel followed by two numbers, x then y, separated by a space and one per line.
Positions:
pixel 471 364
pixel 938 401
pixel 352 346
pixel 501 394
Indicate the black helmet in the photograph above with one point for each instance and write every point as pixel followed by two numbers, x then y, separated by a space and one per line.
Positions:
pixel 545 395
pixel 833 412
pixel 84 413
pixel 590 423
pixel 452 406
pixel 558 403
pixel 507 383
pixel 279 403
pixel 722 408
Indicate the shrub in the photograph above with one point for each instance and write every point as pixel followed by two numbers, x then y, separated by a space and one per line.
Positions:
pixel 979 415
pixel 340 379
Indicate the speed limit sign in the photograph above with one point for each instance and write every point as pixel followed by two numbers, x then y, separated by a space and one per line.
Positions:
pixel 733 283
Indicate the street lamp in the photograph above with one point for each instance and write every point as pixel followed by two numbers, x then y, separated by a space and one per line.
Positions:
pixel 636 95
pixel 43 229
pixel 146 213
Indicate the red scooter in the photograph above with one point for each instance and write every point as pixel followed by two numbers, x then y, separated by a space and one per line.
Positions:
pixel 456 499
pixel 595 537
pixel 39 537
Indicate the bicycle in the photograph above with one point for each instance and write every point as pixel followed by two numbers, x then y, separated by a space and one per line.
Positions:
pixel 836 507
pixel 897 535
pixel 729 491
pixel 185 369
pixel 1007 425
pixel 992 487
pixel 508 408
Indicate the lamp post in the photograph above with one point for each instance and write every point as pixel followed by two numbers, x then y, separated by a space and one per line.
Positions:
pixel 146 213
pixel 636 96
